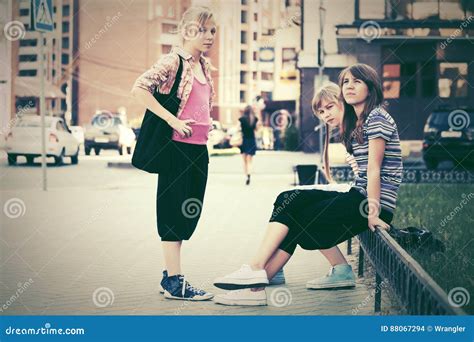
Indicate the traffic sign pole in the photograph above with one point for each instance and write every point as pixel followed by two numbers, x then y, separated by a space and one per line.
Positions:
pixel 42 113
pixel 42 21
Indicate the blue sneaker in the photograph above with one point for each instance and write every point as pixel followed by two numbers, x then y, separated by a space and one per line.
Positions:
pixel 338 276
pixel 278 278
pixel 176 287
pixel 165 275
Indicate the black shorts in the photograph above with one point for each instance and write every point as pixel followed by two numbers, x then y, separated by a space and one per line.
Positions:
pixel 319 219
pixel 181 190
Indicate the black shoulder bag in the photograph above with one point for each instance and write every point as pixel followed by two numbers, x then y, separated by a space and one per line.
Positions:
pixel 152 150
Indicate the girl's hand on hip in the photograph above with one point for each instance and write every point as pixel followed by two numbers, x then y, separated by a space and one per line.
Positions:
pixel 377 222
pixel 182 127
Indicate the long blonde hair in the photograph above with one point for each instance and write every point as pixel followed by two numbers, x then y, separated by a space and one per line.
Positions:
pixel 330 92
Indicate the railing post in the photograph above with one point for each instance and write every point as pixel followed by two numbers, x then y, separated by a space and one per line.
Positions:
pixel 378 292
pixel 349 246
pixel 361 262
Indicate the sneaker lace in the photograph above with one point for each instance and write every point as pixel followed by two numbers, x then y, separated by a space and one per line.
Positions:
pixel 331 271
pixel 189 287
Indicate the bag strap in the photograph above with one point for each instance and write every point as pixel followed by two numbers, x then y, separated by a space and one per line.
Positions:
pixel 177 80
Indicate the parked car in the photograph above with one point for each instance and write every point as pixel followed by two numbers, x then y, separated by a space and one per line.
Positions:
pixel 24 139
pixel 448 135
pixel 78 133
pixel 230 132
pixel 217 135
pixel 108 131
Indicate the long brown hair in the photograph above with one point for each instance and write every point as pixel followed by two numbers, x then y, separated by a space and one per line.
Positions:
pixel 328 92
pixel 351 125
pixel 249 115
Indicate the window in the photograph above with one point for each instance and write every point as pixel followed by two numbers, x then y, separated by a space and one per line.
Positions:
pixel 28 42
pixel 391 82
pixel 255 36
pixel 24 12
pixel 254 75
pixel 243 37
pixel 24 104
pixel 168 28
pixel 255 17
pixel 165 48
pixel 371 9
pixel 65 26
pixel 267 76
pixel 65 43
pixel 28 58
pixel 452 80
pixel 243 2
pixel 255 56
pixel 66 10
pixel 399 80
pixel 242 96
pixel 64 58
pixel 27 73
pixel 243 77
pixel 243 17
pixel 243 57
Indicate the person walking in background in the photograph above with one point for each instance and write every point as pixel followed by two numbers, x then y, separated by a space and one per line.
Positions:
pixel 182 186
pixel 248 123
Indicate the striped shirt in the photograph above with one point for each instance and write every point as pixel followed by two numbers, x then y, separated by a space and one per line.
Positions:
pixel 379 124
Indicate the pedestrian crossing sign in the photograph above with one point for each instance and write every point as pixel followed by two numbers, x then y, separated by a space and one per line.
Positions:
pixel 42 15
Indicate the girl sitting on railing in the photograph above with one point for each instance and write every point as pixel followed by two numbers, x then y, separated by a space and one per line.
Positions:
pixel 316 219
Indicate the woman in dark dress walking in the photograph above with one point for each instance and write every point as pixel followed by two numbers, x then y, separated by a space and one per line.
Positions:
pixel 248 124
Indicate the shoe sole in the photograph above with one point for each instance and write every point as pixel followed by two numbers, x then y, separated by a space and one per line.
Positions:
pixel 169 296
pixel 278 282
pixel 242 284
pixel 247 302
pixel 331 286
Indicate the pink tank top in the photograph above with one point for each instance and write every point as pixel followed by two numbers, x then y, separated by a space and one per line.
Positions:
pixel 197 108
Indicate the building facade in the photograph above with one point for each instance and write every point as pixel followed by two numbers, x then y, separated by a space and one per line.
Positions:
pixel 421 49
pixel 58 56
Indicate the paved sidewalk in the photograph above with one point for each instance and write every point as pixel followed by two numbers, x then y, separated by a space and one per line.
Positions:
pixel 94 250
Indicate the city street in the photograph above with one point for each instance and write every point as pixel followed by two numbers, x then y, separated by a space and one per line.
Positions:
pixel 89 244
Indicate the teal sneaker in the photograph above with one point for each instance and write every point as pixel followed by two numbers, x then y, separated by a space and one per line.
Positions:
pixel 338 276
pixel 278 279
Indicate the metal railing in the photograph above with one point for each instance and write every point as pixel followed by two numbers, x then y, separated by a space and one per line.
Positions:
pixel 413 175
pixel 412 285
pixel 394 267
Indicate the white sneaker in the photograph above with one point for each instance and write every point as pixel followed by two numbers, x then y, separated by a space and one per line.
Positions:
pixel 243 278
pixel 245 297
